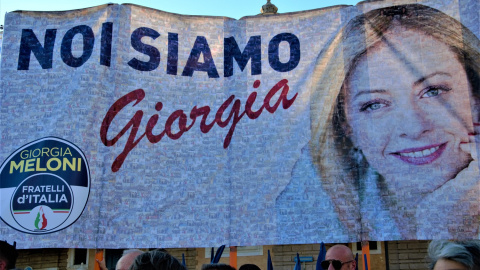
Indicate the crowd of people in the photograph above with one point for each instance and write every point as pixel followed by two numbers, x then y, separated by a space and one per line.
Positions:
pixel 442 255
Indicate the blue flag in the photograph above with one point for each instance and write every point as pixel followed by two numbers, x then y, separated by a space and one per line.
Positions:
pixel 218 254
pixel 298 264
pixel 321 256
pixel 269 262
pixel 365 261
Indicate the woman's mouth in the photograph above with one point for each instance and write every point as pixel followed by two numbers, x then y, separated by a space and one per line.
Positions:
pixel 421 155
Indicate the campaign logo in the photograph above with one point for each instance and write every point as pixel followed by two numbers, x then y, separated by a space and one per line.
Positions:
pixel 47 184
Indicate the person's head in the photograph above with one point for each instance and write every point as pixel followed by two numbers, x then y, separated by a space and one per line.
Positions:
pixel 127 259
pixel 462 255
pixel 8 255
pixel 217 266
pixel 156 260
pixel 339 257
pixel 249 266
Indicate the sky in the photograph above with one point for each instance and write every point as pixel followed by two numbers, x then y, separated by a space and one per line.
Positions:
pixel 229 8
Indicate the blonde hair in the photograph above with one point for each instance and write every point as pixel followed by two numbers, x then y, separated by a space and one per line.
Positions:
pixel 341 166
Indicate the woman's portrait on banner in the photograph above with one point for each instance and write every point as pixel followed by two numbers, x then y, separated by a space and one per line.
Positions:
pixel 405 121
pixel 396 156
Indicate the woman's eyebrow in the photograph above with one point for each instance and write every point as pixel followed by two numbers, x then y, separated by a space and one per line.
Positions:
pixel 422 79
pixel 367 92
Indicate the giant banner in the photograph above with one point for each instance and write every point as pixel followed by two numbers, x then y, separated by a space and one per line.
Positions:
pixel 123 126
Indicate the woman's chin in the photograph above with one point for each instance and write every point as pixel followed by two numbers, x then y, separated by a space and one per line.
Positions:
pixel 409 179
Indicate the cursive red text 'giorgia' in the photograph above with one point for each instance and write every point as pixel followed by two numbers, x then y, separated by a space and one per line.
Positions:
pixel 180 117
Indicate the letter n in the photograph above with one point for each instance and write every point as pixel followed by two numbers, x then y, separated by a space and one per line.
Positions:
pixel 252 51
pixel 29 43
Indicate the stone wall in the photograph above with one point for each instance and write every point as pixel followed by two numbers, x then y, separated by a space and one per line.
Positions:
pixel 283 256
pixel 408 255
pixel 47 258
pixel 190 256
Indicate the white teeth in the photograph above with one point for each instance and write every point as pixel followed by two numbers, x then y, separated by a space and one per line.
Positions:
pixel 418 154
pixel 427 152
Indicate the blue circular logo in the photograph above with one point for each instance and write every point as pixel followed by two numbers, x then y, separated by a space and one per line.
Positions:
pixel 48 183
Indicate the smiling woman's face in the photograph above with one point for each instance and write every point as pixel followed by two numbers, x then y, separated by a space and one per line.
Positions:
pixel 408 107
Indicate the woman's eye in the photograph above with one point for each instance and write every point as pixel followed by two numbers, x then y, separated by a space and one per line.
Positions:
pixel 372 106
pixel 434 91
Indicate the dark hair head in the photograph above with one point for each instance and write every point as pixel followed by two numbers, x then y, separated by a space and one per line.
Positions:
pixel 464 252
pixel 249 267
pixel 217 266
pixel 156 260
pixel 8 253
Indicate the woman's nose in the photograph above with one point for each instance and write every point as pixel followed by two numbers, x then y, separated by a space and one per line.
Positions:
pixel 412 123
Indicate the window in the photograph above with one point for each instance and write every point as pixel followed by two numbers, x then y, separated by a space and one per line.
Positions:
pixel 112 256
pixel 375 247
pixel 77 259
pixel 80 256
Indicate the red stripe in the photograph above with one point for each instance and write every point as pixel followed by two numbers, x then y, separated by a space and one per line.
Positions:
pixel 18 213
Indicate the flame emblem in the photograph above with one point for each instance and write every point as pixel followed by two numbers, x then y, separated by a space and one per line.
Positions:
pixel 43 219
